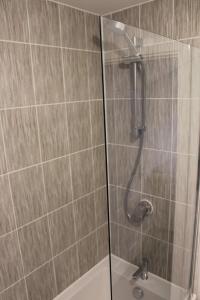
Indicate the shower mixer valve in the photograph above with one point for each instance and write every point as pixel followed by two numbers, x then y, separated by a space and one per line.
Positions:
pixel 143 209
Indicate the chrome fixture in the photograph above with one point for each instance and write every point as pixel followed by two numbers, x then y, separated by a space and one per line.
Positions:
pixel 142 272
pixel 138 292
pixel 143 209
pixel 137 68
pixel 121 29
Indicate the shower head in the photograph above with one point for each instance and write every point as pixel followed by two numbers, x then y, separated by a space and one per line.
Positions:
pixel 121 28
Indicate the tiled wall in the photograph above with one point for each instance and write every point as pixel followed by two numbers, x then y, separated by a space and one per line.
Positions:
pixel 53 210
pixel 167 172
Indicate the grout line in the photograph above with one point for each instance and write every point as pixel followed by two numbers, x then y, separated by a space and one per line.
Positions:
pixel 171 172
pixel 190 38
pixel 86 101
pixel 152 195
pixel 51 260
pixel 49 160
pixel 91 138
pixel 154 149
pixel 47 104
pixel 49 46
pixel 14 214
pixel 68 142
pixel 51 212
pixel 151 236
pixel 40 150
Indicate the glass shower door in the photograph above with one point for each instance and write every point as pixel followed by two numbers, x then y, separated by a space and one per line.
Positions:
pixel 152 126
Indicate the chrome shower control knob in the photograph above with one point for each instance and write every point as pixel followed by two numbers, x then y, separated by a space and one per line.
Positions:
pixel 143 209
pixel 148 205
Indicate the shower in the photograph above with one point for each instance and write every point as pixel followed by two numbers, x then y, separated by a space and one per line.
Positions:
pixel 137 63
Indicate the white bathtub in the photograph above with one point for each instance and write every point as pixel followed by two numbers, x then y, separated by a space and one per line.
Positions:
pixel 96 284
pixel 155 288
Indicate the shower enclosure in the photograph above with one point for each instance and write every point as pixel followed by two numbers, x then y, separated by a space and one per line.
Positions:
pixel 152 109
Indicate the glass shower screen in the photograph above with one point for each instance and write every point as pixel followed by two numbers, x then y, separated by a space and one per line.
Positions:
pixel 152 125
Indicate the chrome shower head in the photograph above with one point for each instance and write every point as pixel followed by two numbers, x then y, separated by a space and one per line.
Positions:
pixel 121 28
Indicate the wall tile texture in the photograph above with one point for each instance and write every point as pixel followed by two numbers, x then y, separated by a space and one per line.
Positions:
pixel 53 203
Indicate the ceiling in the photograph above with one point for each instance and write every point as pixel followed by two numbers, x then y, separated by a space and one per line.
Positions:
pixel 101 7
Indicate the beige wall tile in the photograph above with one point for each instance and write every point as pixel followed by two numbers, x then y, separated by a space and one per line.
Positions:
pixel 35 244
pixel 16 292
pixel 76 75
pixel 102 242
pixel 35 75
pixel 21 138
pixel 101 206
pixel 110 116
pixel 184 178
pixel 79 125
pixel 97 118
pixel 13 20
pixel 108 79
pixel 95 76
pixel 186 16
pixel 62 229
pixel 82 173
pixel 44 22
pixel 179 263
pixel 66 268
pixel 186 126
pixel 84 216
pixel 114 235
pixel 41 283
pixel 128 16
pixel 87 254
pixel 2 155
pixel 93 32
pixel 7 220
pixel 129 245
pixel 160 67
pixel 28 195
pixel 157 17
pixel 113 204
pixel 158 133
pixel 181 231
pixel 127 118
pixel 112 164
pixel 16 82
pixel 156 173
pixel 73 28
pixel 57 183
pixel 9 252
pixel 99 166
pixel 53 131
pixel 47 68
